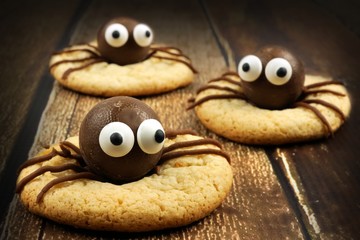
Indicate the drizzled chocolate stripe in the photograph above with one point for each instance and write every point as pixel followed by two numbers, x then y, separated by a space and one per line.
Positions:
pixel 166 48
pixel 308 92
pixel 170 134
pixel 92 46
pixel 177 154
pixel 168 51
pixel 86 175
pixel 320 84
pixel 203 88
pixel 327 104
pixel 38 159
pixel 219 96
pixel 72 61
pixel 231 73
pixel 71 146
pixel 178 60
pixel 317 113
pixel 226 79
pixel 41 170
pixel 192 144
pixel 77 50
pixel 64 153
pixel 70 70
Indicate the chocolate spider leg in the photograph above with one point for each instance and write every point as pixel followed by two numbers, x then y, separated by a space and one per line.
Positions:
pixel 228 89
pixel 53 153
pixel 317 113
pixel 41 170
pixel 37 159
pixel 47 187
pixel 77 50
pixel 226 79
pixel 168 51
pixel 72 61
pixel 166 48
pixel 72 147
pixel 309 92
pixel 231 73
pixel 176 154
pixel 192 143
pixel 326 104
pixel 320 84
pixel 70 70
pixel 177 60
pixel 219 96
pixel 92 46
pixel 170 134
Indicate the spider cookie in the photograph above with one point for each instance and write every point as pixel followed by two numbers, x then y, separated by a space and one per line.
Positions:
pixel 122 61
pixel 125 173
pixel 271 101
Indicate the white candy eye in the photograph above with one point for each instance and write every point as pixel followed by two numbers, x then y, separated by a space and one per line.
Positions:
pixel 116 139
pixel 116 35
pixel 250 68
pixel 143 35
pixel 151 136
pixel 278 71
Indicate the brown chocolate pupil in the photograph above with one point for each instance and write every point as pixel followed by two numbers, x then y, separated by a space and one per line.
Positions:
pixel 281 72
pixel 147 33
pixel 116 138
pixel 246 67
pixel 116 34
pixel 159 136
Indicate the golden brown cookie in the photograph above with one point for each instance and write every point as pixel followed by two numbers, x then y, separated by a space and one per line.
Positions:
pixel 270 100
pixel 122 61
pixel 124 173
pixel 183 190
pixel 240 120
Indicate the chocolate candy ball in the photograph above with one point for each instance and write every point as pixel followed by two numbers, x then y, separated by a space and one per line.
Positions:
pixel 272 78
pixel 124 41
pixel 121 139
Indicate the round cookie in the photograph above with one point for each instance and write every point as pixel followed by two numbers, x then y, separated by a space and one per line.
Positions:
pixel 239 120
pixel 184 190
pixel 271 101
pixel 123 61
pixel 125 173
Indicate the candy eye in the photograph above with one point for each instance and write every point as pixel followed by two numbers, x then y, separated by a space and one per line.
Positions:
pixel 143 35
pixel 151 136
pixel 250 68
pixel 116 35
pixel 278 71
pixel 116 139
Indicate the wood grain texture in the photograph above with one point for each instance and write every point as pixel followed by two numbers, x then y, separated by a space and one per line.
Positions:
pixel 257 206
pixel 27 40
pixel 322 176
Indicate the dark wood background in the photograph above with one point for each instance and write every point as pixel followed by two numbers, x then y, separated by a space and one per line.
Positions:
pixel 301 191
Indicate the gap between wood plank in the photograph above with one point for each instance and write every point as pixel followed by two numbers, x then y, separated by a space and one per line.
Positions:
pixel 27 134
pixel 222 44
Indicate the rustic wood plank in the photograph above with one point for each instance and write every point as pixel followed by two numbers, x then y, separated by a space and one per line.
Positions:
pixel 27 41
pixel 30 32
pixel 321 176
pixel 257 206
pixel 346 12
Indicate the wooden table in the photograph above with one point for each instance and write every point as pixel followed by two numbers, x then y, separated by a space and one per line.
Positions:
pixel 299 191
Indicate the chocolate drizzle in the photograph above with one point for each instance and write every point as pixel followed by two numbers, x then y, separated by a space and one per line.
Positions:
pixel 309 90
pixel 169 152
pixel 81 171
pixel 96 57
